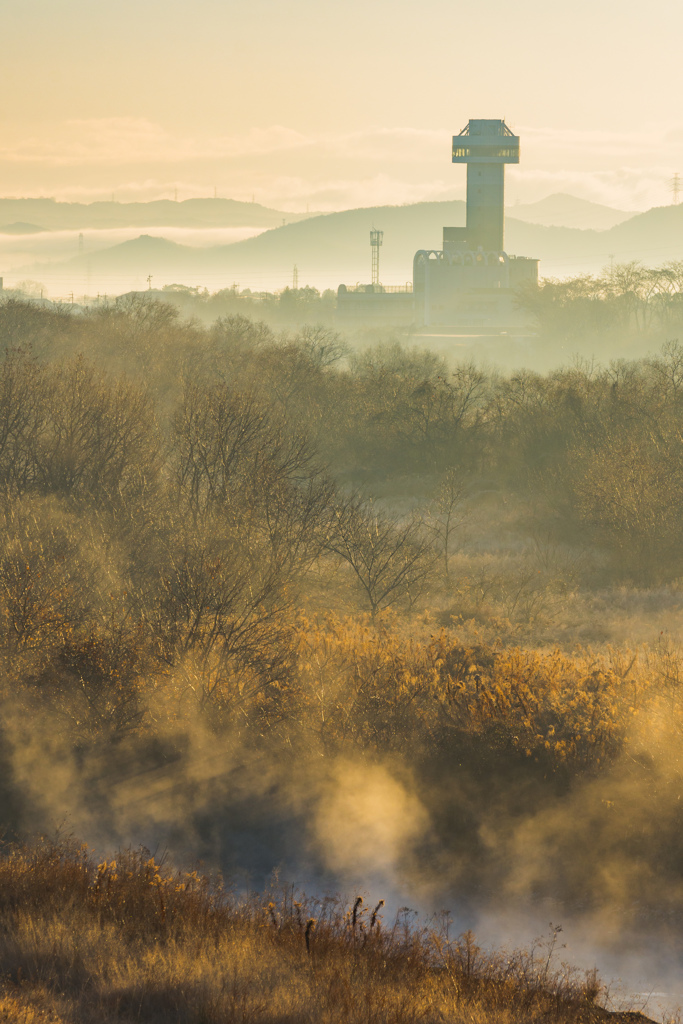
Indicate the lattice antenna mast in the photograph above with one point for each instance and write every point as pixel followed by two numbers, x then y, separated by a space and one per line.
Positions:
pixel 675 187
pixel 375 241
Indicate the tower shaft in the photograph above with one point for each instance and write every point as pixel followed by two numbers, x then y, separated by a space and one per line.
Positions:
pixel 486 205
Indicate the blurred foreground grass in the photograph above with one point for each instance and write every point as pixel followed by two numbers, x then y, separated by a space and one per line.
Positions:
pixel 128 940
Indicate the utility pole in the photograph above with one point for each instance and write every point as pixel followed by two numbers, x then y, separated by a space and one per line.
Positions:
pixel 375 241
pixel 675 187
pixel 295 277
pixel 149 282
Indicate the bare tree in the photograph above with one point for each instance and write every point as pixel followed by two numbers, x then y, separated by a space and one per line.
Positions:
pixel 446 514
pixel 71 429
pixel 221 439
pixel 101 436
pixel 390 560
pixel 24 411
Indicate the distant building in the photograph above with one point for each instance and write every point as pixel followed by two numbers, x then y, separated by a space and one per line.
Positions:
pixel 472 290
pixel 469 285
pixel 375 303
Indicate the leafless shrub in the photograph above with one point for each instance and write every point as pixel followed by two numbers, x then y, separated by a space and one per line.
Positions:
pixel 389 559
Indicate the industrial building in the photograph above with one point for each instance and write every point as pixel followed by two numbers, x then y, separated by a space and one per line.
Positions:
pixel 468 285
pixel 366 304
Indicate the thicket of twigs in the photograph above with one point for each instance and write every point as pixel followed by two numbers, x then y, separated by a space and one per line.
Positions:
pixel 172 495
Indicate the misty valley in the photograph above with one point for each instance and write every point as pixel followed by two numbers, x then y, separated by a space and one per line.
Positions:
pixel 335 667
pixel 341 512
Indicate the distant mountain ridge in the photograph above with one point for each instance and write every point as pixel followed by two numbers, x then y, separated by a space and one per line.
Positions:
pixel 562 210
pixel 558 210
pixel 192 213
pixel 333 248
pixel 20 228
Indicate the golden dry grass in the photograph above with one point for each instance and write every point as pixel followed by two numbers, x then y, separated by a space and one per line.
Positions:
pixel 126 941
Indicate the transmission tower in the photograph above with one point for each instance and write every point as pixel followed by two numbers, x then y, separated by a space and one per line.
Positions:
pixel 375 241
pixel 675 187
pixel 295 277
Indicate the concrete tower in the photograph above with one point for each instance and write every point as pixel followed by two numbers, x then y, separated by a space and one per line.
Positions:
pixel 469 286
pixel 485 146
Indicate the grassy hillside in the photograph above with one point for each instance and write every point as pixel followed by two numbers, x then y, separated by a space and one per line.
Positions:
pixel 130 940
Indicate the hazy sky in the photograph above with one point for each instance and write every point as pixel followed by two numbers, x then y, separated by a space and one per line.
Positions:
pixel 332 105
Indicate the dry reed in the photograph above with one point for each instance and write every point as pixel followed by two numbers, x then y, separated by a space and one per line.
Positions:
pixel 131 940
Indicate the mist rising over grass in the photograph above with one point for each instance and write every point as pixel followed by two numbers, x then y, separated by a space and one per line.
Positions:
pixel 361 615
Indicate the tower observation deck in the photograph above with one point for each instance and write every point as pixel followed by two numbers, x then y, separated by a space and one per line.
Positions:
pixel 485 146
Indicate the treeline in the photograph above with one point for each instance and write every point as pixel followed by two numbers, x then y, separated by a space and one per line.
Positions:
pixel 625 297
pixel 171 495
pixel 286 307
pixel 164 504
pixel 129 404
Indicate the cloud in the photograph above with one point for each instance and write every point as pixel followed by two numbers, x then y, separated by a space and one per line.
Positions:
pixel 593 141
pixel 125 140
pixel 283 167
pixel 347 193
pixel 625 188
pixel 128 139
pixel 407 145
